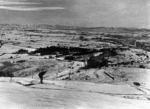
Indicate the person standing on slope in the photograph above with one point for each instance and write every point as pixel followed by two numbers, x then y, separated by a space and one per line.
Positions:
pixel 41 74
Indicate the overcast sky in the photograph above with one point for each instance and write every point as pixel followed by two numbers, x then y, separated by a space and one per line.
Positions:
pixel 112 13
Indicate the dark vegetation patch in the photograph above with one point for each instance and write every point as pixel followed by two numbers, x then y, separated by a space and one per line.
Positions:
pixel 64 51
pixel 148 98
pixel 136 83
pixel 109 52
pixel 8 70
pixel 77 53
pixel 1 41
pixel 69 58
pixel 142 66
pixel 21 61
pixel 6 65
pixel 96 62
pixel 32 30
pixel 21 51
pixel 116 36
pixel 6 74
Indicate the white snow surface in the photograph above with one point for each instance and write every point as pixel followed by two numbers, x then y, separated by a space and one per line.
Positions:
pixel 67 95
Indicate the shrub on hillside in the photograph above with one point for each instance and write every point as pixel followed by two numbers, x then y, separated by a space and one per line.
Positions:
pixel 22 51
pixel 96 62
pixel 141 66
pixel 6 74
pixel 69 58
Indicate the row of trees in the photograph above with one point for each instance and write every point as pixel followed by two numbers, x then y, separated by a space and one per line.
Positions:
pixel 64 50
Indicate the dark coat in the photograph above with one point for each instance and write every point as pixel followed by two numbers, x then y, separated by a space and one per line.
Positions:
pixel 41 74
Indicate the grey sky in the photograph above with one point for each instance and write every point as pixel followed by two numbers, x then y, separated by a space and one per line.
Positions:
pixel 124 13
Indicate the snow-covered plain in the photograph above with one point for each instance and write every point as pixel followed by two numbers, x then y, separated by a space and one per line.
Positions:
pixel 107 88
pixel 25 93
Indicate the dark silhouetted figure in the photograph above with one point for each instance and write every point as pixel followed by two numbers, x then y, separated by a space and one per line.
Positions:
pixel 41 74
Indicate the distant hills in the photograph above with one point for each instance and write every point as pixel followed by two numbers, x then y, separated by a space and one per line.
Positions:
pixel 63 27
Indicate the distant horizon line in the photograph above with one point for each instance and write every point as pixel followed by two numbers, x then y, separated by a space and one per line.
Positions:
pixel 77 26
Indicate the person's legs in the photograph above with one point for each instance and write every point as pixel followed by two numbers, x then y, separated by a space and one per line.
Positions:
pixel 10 79
pixel 41 80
